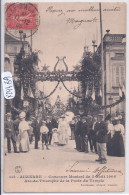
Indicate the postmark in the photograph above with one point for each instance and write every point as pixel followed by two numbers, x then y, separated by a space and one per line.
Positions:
pixel 22 16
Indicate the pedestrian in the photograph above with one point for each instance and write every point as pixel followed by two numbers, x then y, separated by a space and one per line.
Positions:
pixel 84 131
pixel 10 134
pixel 77 133
pixel 118 141
pixel 110 137
pixel 30 132
pixel 64 131
pixel 91 132
pixel 55 136
pixel 44 133
pixel 23 131
pixel 49 126
pixel 16 130
pixel 36 124
pixel 72 126
pixel 101 131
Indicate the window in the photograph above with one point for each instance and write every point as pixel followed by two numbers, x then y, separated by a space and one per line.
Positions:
pixel 118 75
pixel 119 54
pixel 15 49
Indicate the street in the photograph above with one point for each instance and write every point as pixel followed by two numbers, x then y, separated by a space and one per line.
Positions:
pixel 58 163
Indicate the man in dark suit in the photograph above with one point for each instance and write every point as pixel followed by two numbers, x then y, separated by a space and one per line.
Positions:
pixel 36 130
pixel 49 126
pixel 84 135
pixel 77 133
pixel 10 134
pixel 101 131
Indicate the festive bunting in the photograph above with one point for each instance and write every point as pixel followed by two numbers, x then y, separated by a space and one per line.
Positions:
pixel 123 89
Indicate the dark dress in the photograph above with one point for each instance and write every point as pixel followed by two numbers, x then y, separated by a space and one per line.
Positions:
pixel 110 145
pixel 118 142
pixel 110 139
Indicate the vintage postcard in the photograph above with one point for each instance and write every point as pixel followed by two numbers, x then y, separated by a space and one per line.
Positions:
pixel 64 91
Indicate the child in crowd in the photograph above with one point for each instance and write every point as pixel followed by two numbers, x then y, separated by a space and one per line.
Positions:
pixel 55 135
pixel 44 133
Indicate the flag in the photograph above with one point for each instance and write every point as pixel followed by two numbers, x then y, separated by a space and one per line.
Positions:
pixel 100 93
pixel 123 89
pixel 30 94
pixel 93 94
pixel 87 92
pixel 120 92
pixel 22 93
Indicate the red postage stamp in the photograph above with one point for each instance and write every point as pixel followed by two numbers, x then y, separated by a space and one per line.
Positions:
pixel 21 16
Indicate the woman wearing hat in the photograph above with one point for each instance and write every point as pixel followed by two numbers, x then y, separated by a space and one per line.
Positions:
pixel 118 146
pixel 23 131
pixel 63 131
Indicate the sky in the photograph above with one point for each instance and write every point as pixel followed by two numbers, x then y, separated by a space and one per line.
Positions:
pixel 59 35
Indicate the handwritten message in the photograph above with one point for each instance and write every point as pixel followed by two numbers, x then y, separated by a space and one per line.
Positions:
pixel 75 22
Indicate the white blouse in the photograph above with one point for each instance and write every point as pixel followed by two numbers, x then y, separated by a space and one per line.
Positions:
pixel 23 126
pixel 119 127
pixel 111 129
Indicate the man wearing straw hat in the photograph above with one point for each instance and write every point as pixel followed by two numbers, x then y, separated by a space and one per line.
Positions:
pixel 101 131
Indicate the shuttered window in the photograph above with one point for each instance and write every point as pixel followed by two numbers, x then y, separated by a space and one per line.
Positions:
pixel 118 75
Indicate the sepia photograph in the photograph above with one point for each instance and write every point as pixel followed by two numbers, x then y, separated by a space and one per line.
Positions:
pixel 64 94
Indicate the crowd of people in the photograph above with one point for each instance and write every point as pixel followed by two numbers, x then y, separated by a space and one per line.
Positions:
pixel 23 132
pixel 96 134
pixel 102 136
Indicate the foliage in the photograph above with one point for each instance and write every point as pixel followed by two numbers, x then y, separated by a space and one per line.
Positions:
pixel 26 63
pixel 90 77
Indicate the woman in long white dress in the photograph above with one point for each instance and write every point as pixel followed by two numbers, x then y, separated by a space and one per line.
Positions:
pixel 23 133
pixel 63 130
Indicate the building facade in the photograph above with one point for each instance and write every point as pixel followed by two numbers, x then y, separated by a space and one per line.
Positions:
pixel 12 48
pixel 114 48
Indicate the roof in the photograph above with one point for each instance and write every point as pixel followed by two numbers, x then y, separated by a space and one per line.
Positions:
pixel 117 38
pixel 9 38
pixel 112 39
